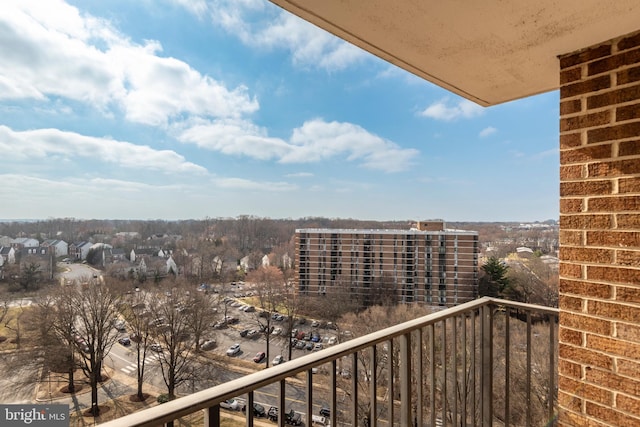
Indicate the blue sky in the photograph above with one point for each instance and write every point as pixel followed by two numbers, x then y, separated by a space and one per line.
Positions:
pixel 178 109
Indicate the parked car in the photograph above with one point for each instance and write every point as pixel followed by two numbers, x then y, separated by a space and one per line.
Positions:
pixel 300 345
pixel 315 324
pixel 260 356
pixel 309 346
pixel 208 344
pixel 244 332
pixel 119 325
pixel 317 347
pixel 230 404
pixel 221 324
pixel 290 418
pixel 233 350
pixel 325 412
pixel 156 347
pixel 332 341
pixel 125 341
pixel 318 420
pixel 278 360
pixel 258 410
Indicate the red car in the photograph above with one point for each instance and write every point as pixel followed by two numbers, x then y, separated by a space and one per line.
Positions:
pixel 260 356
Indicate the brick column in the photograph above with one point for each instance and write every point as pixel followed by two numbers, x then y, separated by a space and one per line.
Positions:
pixel 599 335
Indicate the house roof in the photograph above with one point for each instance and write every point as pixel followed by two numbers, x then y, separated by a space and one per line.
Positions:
pixel 489 51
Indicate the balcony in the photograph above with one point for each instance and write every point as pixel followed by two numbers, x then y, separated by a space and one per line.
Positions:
pixel 486 362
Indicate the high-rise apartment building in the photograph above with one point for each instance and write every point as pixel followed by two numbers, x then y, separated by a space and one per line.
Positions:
pixel 427 264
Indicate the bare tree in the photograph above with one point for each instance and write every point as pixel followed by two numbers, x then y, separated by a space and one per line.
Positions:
pixel 137 317
pixel 63 309
pixel 269 285
pixel 13 320
pixel 171 327
pixel 95 316
pixel 199 313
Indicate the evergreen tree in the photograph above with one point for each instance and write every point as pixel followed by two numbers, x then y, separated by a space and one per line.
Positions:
pixel 495 282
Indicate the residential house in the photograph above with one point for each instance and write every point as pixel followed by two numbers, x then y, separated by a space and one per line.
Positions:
pixel 24 242
pixel 118 254
pixel 41 255
pixel 80 250
pixel 61 247
pixel 7 255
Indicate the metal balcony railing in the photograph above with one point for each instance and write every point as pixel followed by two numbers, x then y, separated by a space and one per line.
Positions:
pixel 483 363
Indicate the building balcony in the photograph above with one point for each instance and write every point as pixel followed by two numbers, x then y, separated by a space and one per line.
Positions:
pixel 483 363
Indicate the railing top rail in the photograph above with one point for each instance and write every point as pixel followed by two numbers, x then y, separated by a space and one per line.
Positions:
pixel 212 396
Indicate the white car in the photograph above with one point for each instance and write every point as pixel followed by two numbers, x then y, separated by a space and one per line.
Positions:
pixel 230 404
pixel 276 331
pixel 233 350
pixel 277 360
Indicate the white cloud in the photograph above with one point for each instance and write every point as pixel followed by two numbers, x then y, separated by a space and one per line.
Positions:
pixel 490 130
pixel 245 184
pixel 299 175
pixel 442 111
pixel 260 25
pixel 41 144
pixel 50 50
pixel 547 153
pixel 234 137
pixel 315 141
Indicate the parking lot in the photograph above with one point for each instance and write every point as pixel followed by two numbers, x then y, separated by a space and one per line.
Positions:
pixel 244 322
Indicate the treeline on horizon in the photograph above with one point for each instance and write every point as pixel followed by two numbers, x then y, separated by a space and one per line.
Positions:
pixel 274 231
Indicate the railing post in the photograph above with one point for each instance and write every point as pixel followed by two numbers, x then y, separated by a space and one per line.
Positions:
pixel 333 404
pixel 390 382
pixel 282 394
pixel 309 391
pixel 486 370
pixel 354 389
pixel 507 367
pixel 212 416
pixel 405 380
pixel 432 373
pixel 419 380
pixel 528 370
pixel 249 412
pixel 552 364
pixel 454 369
pixel 373 385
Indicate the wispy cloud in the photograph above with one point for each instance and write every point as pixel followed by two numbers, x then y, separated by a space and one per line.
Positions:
pixel 261 25
pixel 447 111
pixel 299 175
pixel 246 184
pixel 43 143
pixel 315 141
pixel 488 131
pixel 547 153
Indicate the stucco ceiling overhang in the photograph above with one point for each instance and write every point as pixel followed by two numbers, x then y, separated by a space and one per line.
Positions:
pixel 488 51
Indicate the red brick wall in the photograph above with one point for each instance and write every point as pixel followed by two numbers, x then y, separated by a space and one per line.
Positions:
pixel 599 350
